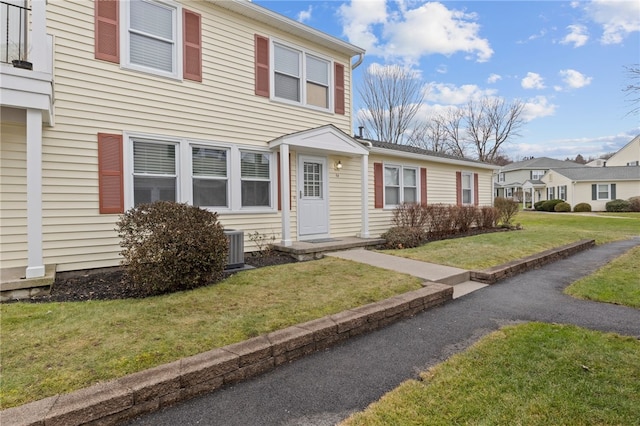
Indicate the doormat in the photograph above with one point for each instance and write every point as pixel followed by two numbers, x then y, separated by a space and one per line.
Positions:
pixel 322 240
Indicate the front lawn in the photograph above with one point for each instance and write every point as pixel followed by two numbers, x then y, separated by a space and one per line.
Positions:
pixel 52 348
pixel 531 374
pixel 541 231
pixel 618 282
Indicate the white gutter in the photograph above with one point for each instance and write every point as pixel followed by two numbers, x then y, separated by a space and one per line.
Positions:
pixel 436 159
pixel 358 62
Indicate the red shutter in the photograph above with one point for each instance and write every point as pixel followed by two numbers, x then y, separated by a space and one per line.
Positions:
pixel 423 185
pixel 476 197
pixel 280 181
pixel 107 45
pixel 110 174
pixel 378 186
pixel 262 65
pixel 192 39
pixel 339 88
pixel 459 188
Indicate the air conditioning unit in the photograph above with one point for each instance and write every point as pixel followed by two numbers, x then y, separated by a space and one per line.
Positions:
pixel 235 258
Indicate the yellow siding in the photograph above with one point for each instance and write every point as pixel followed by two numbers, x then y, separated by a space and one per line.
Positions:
pixel 345 196
pixel 94 96
pixel 13 196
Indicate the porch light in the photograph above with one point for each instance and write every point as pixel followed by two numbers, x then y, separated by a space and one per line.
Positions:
pixel 338 165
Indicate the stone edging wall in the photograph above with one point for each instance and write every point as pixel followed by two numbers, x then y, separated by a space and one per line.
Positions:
pixel 112 402
pixel 509 269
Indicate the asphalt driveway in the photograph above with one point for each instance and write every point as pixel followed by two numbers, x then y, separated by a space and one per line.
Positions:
pixel 327 386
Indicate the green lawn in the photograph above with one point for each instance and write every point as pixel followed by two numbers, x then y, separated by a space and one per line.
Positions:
pixel 540 232
pixel 531 374
pixel 60 347
pixel 618 282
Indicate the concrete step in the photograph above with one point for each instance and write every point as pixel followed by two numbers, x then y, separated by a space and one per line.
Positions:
pixel 466 287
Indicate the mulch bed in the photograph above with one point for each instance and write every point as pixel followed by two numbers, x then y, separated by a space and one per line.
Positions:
pixel 111 283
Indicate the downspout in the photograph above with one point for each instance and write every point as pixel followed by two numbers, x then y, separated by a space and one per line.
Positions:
pixel 358 62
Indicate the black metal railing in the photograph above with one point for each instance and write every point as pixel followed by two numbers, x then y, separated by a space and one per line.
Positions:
pixel 13 23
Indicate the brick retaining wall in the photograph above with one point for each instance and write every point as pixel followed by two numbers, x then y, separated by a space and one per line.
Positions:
pixel 112 402
pixel 509 269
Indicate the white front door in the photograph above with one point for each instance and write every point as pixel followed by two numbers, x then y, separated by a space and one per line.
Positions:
pixel 313 205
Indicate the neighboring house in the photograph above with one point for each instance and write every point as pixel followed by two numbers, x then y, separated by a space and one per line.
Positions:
pixel 225 105
pixel 593 185
pixel 628 155
pixel 522 180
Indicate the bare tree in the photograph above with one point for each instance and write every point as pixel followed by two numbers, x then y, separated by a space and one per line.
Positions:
pixel 429 135
pixel 482 127
pixel 392 96
pixel 633 88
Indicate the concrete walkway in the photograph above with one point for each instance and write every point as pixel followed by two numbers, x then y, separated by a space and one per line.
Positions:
pixel 327 386
pixel 456 277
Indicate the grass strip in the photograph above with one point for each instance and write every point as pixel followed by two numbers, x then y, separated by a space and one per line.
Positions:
pixel 617 282
pixel 60 347
pixel 540 232
pixel 530 374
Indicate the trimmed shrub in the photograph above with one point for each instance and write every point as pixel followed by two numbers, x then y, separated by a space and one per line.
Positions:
pixel 488 217
pixel 507 209
pixel 538 205
pixel 550 205
pixel 562 207
pixel 411 215
pixel 582 207
pixel 441 220
pixel 465 217
pixel 170 247
pixel 634 204
pixel 400 237
pixel 618 206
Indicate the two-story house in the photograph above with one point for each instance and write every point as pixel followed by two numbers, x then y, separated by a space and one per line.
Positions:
pixel 220 104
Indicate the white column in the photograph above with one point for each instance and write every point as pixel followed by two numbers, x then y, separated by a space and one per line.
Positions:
pixel 38 44
pixel 286 196
pixel 35 265
pixel 364 232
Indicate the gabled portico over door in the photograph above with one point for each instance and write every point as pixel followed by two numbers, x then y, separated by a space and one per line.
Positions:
pixel 313 200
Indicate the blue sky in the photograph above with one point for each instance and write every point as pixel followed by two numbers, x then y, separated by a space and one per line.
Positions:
pixel 564 59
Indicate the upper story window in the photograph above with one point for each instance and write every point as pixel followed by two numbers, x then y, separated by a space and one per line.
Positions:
pixel 400 185
pixel 633 163
pixel 501 177
pixel 151 36
pixel 155 36
pixel 300 77
pixel 537 174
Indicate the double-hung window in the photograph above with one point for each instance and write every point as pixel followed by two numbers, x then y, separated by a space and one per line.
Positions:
pixel 537 174
pixel 562 192
pixel 154 172
pixel 255 179
pixel 467 188
pixel 301 77
pixel 551 193
pixel 152 37
pixel 603 191
pixel 210 176
pixel 501 177
pixel 400 185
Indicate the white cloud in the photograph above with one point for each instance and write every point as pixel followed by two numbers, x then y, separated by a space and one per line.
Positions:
pixel 305 15
pixel 570 147
pixel 533 81
pixel 449 94
pixel 537 107
pixel 493 78
pixel 574 79
pixel 577 35
pixel 395 30
pixel 442 69
pixel 618 18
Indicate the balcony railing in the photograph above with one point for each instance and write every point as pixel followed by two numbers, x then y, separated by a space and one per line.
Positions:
pixel 13 32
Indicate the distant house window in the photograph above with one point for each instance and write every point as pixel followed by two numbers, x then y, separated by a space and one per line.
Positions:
pixel 508 192
pixel 301 77
pixel 603 191
pixel 633 163
pixel 154 172
pixel 400 185
pixel 500 177
pixel 562 192
pixel 537 174
pixel 551 193
pixel 255 179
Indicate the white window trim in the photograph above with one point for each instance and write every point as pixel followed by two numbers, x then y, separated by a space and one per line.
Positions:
pixel 598 191
pixel 562 192
pixel 462 188
pixel 184 171
pixel 303 76
pixel 228 178
pixel 534 174
pixel 400 183
pixel 551 193
pixel 125 61
pixel 501 177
